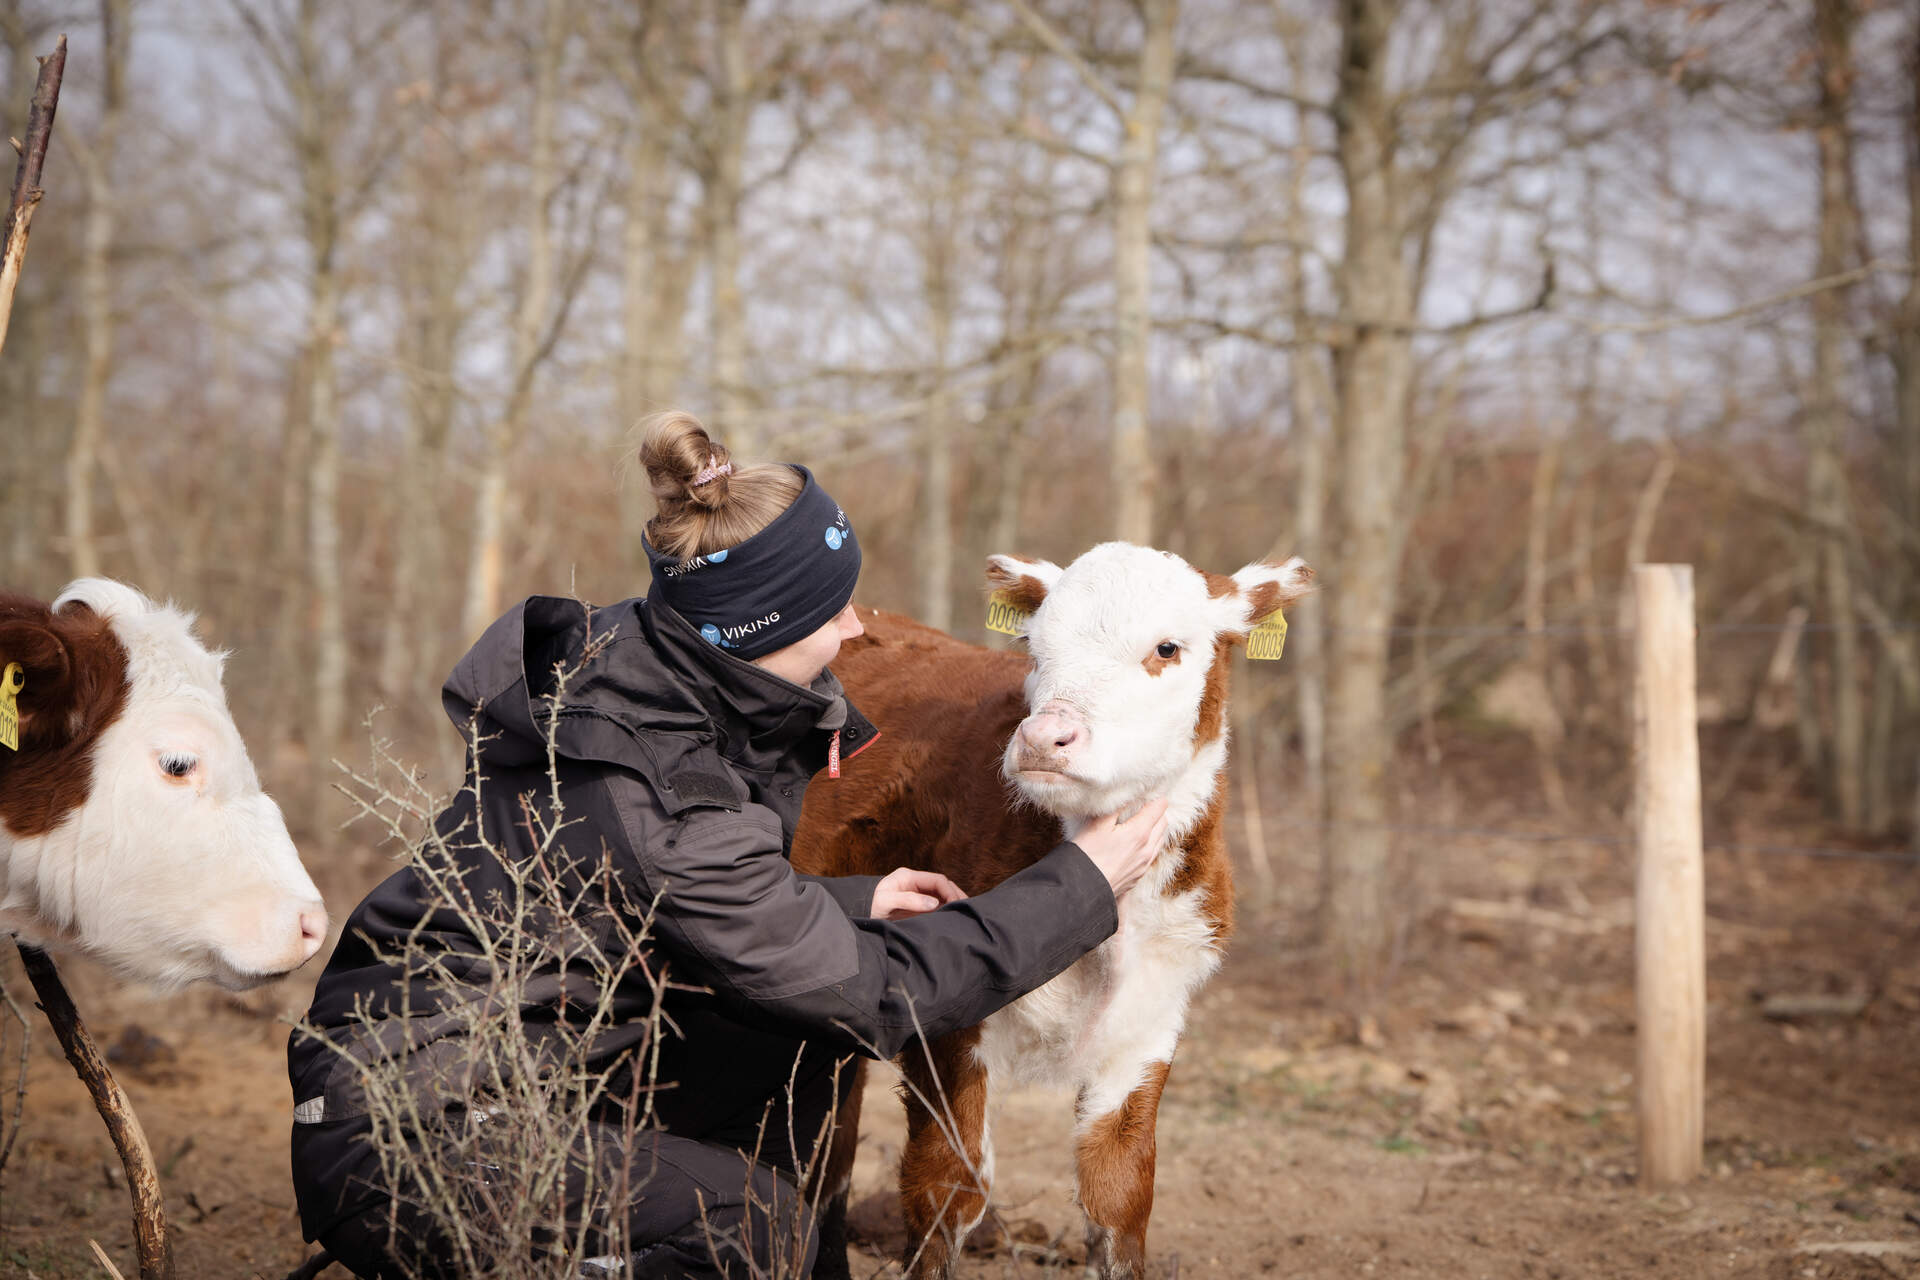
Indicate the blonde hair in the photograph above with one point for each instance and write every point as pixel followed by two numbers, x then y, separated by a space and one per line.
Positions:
pixel 698 516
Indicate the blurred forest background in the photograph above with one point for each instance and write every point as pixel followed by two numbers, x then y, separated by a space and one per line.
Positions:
pixel 337 318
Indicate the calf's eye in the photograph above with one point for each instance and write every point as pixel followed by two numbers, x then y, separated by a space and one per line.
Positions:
pixel 1167 649
pixel 177 764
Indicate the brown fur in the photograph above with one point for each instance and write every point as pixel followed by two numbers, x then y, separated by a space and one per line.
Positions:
pixel 1022 590
pixel 76 685
pixel 1213 700
pixel 1206 865
pixel 1116 1157
pixel 1155 664
pixel 929 794
pixel 939 1189
pixel 1267 596
pixel 1218 584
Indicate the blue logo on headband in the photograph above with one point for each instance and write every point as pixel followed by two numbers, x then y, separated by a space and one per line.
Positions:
pixel 715 557
pixel 834 538
pixel 710 633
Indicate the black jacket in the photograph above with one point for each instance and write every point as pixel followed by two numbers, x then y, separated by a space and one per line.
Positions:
pixel 682 770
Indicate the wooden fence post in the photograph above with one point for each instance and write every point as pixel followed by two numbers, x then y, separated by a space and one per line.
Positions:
pixel 1670 974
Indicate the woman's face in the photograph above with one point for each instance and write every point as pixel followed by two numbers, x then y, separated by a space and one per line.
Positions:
pixel 802 661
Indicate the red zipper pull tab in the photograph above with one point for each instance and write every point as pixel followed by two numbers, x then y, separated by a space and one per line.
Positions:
pixel 833 756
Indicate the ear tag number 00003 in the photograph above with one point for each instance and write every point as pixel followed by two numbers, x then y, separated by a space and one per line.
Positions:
pixel 1006 617
pixel 1265 641
pixel 12 681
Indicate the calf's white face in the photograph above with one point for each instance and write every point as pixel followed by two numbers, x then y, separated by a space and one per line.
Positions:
pixel 1127 686
pixel 138 830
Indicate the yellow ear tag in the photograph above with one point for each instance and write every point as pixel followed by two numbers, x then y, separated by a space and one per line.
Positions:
pixel 1265 641
pixel 12 682
pixel 1006 617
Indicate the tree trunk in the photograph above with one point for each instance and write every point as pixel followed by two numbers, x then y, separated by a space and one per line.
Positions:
pixel 935 550
pixel 1374 370
pixel 1827 501
pixel 321 195
pixel 1308 396
pixel 725 183
pixel 648 373
pixel 485 570
pixel 1546 741
pixel 1133 182
pixel 96 295
pixel 436 267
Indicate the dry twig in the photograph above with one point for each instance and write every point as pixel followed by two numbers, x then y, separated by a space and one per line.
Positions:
pixel 26 179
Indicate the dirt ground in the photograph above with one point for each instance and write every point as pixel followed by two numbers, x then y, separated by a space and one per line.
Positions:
pixel 1477 1124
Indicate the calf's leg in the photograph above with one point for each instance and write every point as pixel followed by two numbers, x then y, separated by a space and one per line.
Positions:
pixel 1116 1157
pixel 947 1166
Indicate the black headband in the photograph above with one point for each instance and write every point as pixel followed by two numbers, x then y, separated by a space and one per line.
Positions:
pixel 781 585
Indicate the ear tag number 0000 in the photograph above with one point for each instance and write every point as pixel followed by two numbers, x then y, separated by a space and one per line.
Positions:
pixel 12 681
pixel 1265 641
pixel 1006 617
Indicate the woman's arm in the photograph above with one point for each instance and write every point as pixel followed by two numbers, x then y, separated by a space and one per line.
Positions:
pixel 742 922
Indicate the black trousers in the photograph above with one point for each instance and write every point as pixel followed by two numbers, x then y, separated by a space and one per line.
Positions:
pixel 701 1205
pixel 704 1210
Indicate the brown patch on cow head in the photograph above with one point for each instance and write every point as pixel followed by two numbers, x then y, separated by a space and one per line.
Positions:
pixel 1213 700
pixel 76 685
pixel 1116 1161
pixel 1218 584
pixel 1022 590
pixel 1155 663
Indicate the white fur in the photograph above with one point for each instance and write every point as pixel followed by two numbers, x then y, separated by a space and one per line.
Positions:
pixel 167 880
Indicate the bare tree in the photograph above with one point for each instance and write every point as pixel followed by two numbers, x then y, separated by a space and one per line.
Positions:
pixel 1133 169
pixel 536 326
pixel 1828 507
pixel 96 166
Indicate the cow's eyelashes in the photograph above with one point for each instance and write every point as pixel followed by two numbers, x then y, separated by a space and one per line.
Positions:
pixel 178 764
pixel 1167 650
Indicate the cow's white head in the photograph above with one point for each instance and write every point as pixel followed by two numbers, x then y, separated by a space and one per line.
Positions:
pixel 1127 696
pixel 132 823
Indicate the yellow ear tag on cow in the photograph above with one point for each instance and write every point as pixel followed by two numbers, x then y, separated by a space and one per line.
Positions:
pixel 1006 617
pixel 1265 641
pixel 12 682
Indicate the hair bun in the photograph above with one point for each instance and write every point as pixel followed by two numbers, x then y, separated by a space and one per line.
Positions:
pixel 685 466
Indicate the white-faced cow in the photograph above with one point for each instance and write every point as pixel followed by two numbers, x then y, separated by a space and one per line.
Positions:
pixel 132 824
pixel 1121 695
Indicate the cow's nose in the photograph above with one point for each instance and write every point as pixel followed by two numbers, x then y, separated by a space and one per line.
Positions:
pixel 1049 731
pixel 313 932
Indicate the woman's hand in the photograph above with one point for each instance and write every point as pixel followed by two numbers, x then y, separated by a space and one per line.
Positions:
pixel 1123 849
pixel 907 892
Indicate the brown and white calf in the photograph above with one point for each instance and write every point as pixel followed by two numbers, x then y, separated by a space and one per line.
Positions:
pixel 132 824
pixel 1121 695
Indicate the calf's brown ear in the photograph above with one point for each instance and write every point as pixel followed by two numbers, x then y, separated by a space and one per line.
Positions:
pixel 74 669
pixel 1268 587
pixel 1022 581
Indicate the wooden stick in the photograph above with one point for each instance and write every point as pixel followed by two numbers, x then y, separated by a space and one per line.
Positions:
pixel 26 179
pixel 129 1139
pixel 1670 972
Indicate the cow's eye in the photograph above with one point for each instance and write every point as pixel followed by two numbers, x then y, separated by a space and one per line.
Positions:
pixel 1167 649
pixel 178 764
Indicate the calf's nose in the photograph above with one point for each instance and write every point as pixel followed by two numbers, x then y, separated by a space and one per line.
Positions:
pixel 1049 731
pixel 313 932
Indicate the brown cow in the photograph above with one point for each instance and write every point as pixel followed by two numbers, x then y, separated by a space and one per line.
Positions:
pixel 984 760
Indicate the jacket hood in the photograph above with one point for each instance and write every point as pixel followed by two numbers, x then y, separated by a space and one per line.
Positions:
pixel 641 690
